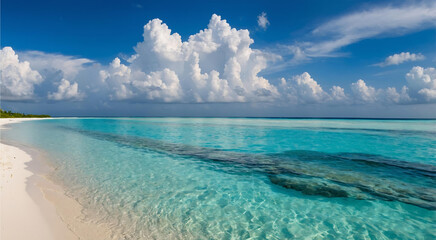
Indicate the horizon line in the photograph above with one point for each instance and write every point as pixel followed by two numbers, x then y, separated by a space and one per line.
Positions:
pixel 346 118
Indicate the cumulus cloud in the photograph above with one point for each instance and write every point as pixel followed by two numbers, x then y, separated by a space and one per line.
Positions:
pixel 422 83
pixel 337 94
pixel 115 77
pixel 387 21
pixel 70 66
pixel 66 91
pixel 420 88
pixel 35 75
pixel 303 89
pixel 55 69
pixel 401 58
pixel 158 85
pixel 17 77
pixel 364 93
pixel 214 65
pixel 262 21
pixel 392 96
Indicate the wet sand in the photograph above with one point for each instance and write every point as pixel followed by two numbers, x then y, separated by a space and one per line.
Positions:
pixel 34 207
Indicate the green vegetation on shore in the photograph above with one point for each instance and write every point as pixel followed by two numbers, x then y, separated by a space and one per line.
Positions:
pixel 9 114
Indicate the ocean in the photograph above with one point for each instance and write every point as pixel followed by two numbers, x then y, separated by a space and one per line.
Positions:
pixel 244 178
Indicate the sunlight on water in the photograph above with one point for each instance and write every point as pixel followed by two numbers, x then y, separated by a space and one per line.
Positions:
pixel 246 178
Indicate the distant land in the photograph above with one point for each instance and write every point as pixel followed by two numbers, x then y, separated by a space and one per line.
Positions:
pixel 9 114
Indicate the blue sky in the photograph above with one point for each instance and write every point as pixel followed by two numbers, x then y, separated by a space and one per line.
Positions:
pixel 295 58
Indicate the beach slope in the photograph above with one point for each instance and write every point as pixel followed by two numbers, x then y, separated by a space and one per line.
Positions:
pixel 24 212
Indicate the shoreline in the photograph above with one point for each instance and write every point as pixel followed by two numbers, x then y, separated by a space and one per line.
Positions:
pixel 33 206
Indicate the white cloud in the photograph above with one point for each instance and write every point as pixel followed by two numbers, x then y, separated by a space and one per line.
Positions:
pixel 66 91
pixel 70 66
pixel 55 69
pixel 376 22
pixel 401 58
pixel 17 77
pixel 422 83
pixel 180 77
pixel 35 77
pixel 392 96
pixel 262 21
pixel 420 88
pixel 127 84
pixel 214 65
pixel 337 94
pixel 429 94
pixel 163 85
pixel 364 93
pixel 302 89
pixel 115 77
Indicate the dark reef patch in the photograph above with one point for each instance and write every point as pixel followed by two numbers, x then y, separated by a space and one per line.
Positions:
pixel 346 175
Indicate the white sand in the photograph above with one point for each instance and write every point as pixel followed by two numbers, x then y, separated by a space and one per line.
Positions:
pixel 33 207
pixel 24 212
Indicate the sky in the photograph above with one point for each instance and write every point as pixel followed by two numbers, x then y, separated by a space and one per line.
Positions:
pixel 372 59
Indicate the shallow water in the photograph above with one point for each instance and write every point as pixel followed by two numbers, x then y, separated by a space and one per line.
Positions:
pixel 207 178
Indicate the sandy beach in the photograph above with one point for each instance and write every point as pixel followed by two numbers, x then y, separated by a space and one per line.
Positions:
pixel 33 207
pixel 25 212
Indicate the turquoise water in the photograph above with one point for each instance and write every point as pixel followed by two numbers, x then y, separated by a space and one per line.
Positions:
pixel 218 178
